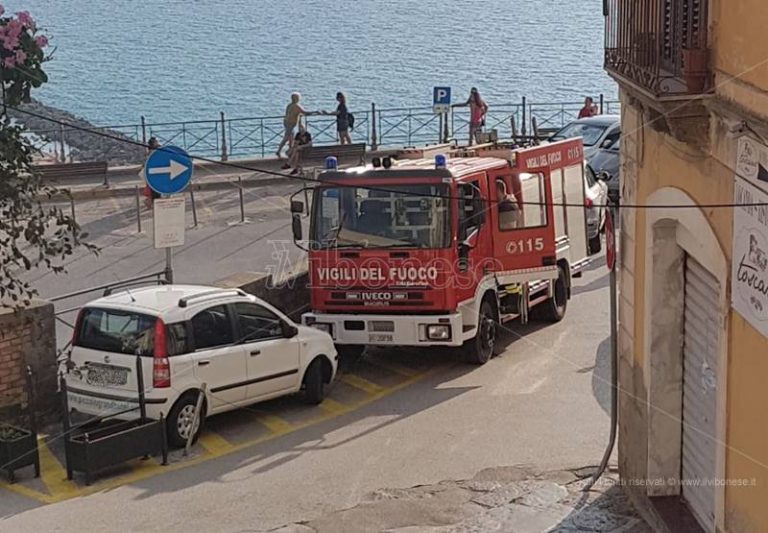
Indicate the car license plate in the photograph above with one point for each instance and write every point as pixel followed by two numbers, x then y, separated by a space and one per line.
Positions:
pixel 380 337
pixel 106 375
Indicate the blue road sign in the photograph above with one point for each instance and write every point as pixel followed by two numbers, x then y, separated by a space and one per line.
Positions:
pixel 441 96
pixel 168 170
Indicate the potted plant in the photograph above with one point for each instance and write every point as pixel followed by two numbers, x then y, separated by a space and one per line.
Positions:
pixel 18 448
pixel 695 68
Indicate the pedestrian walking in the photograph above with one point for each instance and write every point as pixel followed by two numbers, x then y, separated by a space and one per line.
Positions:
pixel 589 109
pixel 344 119
pixel 293 112
pixel 477 110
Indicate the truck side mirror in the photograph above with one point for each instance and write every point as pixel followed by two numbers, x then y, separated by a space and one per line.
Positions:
pixel 297 206
pixel 296 227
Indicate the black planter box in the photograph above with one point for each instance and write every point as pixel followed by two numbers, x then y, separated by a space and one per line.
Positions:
pixel 113 444
pixel 18 452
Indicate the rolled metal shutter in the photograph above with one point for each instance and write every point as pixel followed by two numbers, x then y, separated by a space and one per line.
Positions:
pixel 701 330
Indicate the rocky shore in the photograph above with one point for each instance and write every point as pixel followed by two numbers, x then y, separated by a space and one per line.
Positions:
pixel 80 145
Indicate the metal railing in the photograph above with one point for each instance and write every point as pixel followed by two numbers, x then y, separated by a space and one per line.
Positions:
pixel 224 137
pixel 659 45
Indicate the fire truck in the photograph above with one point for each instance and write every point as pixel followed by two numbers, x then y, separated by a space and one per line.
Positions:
pixel 417 251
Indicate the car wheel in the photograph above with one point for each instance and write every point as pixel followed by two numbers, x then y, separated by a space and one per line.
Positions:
pixel 181 422
pixel 480 349
pixel 313 383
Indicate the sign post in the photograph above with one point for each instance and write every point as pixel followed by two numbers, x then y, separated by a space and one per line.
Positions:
pixel 168 171
pixel 441 105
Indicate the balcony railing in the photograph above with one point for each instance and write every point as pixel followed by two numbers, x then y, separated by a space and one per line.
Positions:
pixel 658 45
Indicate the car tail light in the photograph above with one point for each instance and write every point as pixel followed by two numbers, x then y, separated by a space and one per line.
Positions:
pixel 78 325
pixel 588 202
pixel 161 366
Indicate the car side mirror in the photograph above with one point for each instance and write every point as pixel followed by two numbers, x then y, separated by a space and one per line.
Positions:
pixel 297 206
pixel 289 330
pixel 296 227
pixel 607 143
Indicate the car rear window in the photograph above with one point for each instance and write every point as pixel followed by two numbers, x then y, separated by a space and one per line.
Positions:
pixel 116 331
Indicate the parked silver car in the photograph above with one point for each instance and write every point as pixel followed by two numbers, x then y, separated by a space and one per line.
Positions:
pixel 594 132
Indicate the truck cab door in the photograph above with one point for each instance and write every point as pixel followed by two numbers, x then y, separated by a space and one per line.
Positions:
pixel 475 246
pixel 521 218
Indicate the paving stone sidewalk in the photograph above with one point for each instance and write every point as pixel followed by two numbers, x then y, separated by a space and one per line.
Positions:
pixel 516 499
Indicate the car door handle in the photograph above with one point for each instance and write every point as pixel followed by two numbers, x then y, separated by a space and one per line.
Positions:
pixel 203 363
pixel 254 353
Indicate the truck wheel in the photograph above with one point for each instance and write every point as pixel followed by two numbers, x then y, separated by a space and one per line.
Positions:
pixel 479 350
pixel 553 309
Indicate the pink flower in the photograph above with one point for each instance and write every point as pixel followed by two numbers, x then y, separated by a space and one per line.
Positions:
pixel 9 62
pixel 41 41
pixel 25 19
pixel 21 57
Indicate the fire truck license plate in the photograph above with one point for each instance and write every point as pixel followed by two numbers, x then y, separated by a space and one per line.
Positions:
pixel 380 337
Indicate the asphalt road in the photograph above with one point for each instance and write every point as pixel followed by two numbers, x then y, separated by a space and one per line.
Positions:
pixel 544 402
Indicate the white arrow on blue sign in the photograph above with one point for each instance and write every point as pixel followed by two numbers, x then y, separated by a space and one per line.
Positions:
pixel 168 170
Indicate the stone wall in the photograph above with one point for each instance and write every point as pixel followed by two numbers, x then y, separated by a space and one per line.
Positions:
pixel 290 295
pixel 28 337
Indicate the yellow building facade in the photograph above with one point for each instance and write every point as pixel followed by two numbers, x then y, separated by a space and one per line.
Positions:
pixel 693 306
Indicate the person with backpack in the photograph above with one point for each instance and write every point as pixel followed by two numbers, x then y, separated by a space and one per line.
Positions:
pixel 345 121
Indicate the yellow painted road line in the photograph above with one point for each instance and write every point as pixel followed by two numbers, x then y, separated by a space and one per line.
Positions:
pixel 362 384
pixel 333 407
pixel 275 424
pixel 394 367
pixel 53 474
pixel 214 443
pixel 149 469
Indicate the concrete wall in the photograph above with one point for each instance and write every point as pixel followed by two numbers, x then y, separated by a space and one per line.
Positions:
pixel 28 337
pixel 290 295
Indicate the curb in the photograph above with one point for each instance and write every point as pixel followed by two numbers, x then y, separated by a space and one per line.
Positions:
pixel 123 191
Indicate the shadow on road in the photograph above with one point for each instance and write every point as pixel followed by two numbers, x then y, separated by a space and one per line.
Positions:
pixel 601 375
pixel 264 457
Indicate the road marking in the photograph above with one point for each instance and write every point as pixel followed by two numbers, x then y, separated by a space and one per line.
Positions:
pixel 275 424
pixel 148 469
pixel 394 367
pixel 214 443
pixel 54 475
pixel 333 407
pixel 362 384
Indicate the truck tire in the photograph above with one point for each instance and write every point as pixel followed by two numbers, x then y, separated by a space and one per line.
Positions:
pixel 480 349
pixel 553 309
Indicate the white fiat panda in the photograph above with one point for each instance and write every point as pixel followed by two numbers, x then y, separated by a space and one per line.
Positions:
pixel 242 348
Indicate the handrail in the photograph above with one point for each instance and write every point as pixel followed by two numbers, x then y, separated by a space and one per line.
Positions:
pixel 391 126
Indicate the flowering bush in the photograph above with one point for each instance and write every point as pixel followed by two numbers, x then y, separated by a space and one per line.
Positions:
pixel 21 56
pixel 32 234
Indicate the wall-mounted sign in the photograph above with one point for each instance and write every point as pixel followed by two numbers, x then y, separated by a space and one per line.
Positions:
pixel 749 276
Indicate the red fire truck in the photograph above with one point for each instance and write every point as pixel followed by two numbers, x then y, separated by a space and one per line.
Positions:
pixel 439 252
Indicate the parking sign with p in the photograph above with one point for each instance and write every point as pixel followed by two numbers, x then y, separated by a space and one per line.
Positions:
pixel 441 99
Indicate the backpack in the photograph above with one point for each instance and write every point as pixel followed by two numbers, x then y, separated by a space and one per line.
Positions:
pixel 351 121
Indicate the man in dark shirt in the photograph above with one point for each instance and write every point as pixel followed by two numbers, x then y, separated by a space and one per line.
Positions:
pixel 303 139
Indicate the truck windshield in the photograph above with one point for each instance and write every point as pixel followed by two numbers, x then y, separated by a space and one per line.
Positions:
pixel 391 216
